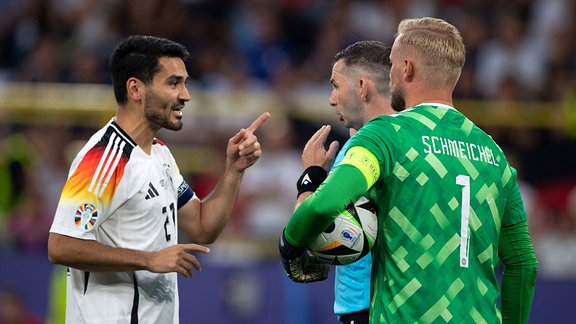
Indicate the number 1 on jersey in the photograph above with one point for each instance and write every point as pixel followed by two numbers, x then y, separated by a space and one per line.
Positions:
pixel 464 181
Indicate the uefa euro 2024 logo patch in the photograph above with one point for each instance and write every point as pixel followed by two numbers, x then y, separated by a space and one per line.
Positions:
pixel 86 216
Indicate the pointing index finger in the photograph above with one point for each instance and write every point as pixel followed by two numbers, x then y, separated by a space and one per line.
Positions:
pixel 258 122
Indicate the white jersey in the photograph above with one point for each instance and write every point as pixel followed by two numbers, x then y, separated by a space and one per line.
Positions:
pixel 121 197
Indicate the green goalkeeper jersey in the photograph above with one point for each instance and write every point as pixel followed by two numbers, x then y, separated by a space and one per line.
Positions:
pixel 444 190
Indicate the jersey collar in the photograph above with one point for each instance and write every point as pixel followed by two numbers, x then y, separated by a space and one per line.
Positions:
pixel 433 104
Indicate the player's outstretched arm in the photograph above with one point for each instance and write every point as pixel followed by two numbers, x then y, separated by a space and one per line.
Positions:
pixel 71 252
pixel 204 220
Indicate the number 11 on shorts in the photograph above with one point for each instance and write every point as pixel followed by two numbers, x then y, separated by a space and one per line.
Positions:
pixel 464 181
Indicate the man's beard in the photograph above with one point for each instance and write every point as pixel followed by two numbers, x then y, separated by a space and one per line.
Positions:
pixel 397 100
pixel 157 117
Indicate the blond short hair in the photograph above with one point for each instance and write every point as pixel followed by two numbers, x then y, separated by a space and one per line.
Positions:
pixel 437 44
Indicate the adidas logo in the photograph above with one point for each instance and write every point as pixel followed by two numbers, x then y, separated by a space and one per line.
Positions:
pixel 306 180
pixel 152 192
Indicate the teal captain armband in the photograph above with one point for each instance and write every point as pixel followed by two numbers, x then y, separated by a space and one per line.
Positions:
pixel 365 161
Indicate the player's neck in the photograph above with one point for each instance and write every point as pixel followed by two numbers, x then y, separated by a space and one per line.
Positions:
pixel 138 129
pixel 430 96
pixel 380 106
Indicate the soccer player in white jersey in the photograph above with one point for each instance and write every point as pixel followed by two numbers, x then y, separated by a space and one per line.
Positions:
pixel 117 221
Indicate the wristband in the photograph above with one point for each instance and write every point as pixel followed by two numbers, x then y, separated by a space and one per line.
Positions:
pixel 287 250
pixel 311 179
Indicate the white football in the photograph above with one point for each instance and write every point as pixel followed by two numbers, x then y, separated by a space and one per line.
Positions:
pixel 351 235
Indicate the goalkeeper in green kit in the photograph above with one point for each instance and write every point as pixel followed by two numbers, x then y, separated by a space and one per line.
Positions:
pixel 448 202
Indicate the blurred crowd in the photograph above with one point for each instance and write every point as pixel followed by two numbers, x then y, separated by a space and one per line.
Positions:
pixel 517 50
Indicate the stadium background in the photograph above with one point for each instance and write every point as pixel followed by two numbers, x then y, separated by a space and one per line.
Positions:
pixel 250 56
